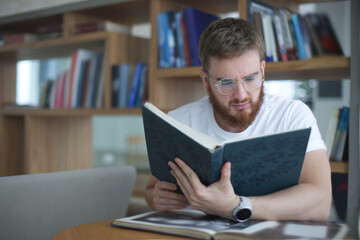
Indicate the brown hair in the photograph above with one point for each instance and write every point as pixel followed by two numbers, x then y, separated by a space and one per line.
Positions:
pixel 229 37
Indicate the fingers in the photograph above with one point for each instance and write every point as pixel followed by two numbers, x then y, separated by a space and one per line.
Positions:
pixel 225 172
pixel 165 199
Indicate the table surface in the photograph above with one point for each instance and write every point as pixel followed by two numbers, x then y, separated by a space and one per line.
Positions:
pixel 103 230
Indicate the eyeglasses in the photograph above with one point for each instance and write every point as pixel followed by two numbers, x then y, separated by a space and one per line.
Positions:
pixel 227 86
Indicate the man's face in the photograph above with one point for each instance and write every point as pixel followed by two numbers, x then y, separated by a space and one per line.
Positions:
pixel 236 111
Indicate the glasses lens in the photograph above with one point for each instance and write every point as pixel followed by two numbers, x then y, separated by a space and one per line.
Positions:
pixel 226 85
pixel 252 83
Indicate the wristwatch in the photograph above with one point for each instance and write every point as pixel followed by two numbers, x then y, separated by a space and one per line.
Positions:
pixel 243 211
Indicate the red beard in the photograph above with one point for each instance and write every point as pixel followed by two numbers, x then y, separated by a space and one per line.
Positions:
pixel 241 119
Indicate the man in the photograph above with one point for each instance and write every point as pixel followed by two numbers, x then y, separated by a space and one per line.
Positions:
pixel 232 53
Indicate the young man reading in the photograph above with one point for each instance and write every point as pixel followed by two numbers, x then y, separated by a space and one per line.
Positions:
pixel 232 53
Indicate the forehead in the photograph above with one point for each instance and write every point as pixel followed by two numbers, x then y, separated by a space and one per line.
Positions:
pixel 243 65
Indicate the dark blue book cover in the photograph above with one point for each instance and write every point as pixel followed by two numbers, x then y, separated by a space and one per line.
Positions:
pixel 260 165
pixel 196 22
pixel 135 85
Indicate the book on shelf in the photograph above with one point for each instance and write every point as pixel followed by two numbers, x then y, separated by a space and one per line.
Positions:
pixel 285 15
pixel 260 164
pixel 196 21
pixel 258 7
pixel 101 26
pixel 49 31
pixel 18 38
pixel 96 63
pixel 341 135
pixel 137 81
pixel 198 225
pixel 329 44
pixel 300 38
pixel 77 71
pixel 178 35
pixel 331 131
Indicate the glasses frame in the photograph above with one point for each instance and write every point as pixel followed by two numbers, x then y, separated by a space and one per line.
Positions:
pixel 235 81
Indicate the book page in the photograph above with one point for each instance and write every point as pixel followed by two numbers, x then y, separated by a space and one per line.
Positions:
pixel 199 137
pixel 186 222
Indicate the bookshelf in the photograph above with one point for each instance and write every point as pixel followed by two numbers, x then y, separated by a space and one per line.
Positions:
pixel 36 140
pixel 168 88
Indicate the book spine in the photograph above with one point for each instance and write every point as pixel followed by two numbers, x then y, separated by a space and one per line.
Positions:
pixel 299 37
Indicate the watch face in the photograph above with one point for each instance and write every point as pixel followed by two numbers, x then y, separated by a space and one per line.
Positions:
pixel 243 214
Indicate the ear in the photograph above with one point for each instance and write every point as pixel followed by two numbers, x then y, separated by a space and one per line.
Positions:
pixel 204 79
pixel 263 65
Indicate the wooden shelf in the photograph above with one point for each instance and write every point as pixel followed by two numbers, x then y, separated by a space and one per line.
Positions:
pixel 339 167
pixel 39 44
pixel 67 113
pixel 320 68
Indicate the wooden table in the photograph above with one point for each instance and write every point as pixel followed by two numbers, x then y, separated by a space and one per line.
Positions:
pixel 104 231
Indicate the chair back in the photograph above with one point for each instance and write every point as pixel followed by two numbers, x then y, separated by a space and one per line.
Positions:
pixel 37 206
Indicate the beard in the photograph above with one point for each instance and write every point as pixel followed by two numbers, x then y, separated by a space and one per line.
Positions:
pixel 242 119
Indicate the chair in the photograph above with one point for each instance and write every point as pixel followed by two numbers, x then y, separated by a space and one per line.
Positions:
pixel 38 206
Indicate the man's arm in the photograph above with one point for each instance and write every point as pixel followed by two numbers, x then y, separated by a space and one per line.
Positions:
pixel 160 195
pixel 309 200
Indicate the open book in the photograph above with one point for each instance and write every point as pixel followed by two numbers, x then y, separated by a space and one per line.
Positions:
pixel 259 165
pixel 199 225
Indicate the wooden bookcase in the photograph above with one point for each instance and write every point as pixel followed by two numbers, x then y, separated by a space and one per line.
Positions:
pixel 43 140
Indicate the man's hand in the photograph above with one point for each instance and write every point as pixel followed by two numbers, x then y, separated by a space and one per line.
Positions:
pixel 164 197
pixel 218 199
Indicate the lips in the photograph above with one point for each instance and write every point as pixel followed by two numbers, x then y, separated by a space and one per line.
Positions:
pixel 240 106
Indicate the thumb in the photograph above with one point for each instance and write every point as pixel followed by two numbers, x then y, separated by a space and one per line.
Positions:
pixel 225 172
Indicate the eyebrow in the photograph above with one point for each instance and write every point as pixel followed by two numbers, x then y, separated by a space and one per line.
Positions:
pixel 254 73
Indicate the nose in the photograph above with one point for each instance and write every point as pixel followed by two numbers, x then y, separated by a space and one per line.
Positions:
pixel 239 91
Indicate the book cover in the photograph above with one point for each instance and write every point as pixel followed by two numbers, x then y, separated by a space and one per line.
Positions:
pixel 299 37
pixel 91 82
pixel 341 134
pixel 198 225
pixel 315 41
pixel 330 134
pixel 196 22
pixel 135 85
pixel 80 56
pixel 284 15
pixel 97 79
pixel 140 91
pixel 124 74
pixel 280 38
pixel 180 60
pixel 260 165
pixel 260 7
pixel 258 23
pixel 163 35
pixel 100 90
pixel 325 33
pixel 115 82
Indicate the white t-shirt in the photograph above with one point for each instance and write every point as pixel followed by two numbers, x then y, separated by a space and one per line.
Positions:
pixel 276 114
